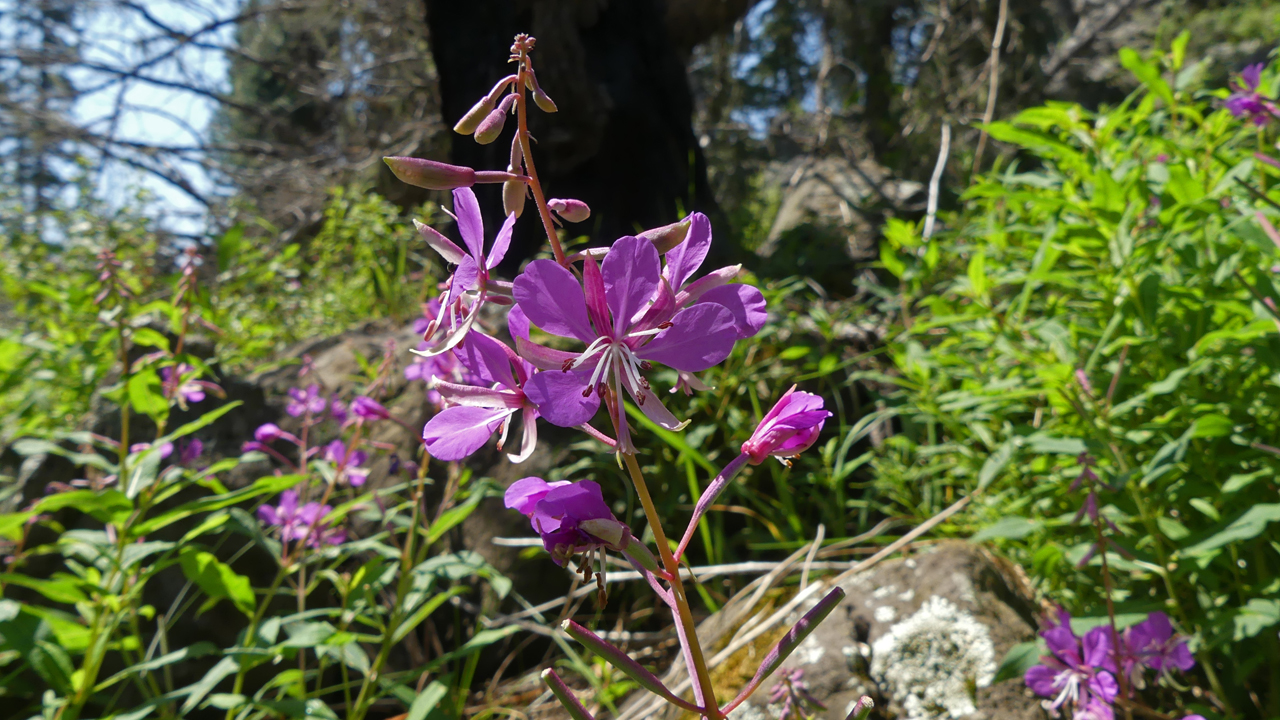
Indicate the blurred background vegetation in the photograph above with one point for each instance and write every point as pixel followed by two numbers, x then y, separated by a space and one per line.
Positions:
pixel 1105 230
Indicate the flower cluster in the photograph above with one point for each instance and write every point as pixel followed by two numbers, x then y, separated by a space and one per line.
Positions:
pixel 792 692
pixel 1081 673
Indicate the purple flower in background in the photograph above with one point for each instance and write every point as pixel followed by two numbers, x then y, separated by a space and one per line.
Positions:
pixel 794 695
pixel 190 451
pixel 348 462
pixel 477 411
pixel 165 448
pixel 303 402
pixel 618 313
pixel 181 381
pixel 472 274
pixel 366 408
pixel 296 523
pixel 788 429
pixel 270 432
pixel 571 517
pixel 1079 674
pixel 1245 101
pixel 338 411
pixel 1153 643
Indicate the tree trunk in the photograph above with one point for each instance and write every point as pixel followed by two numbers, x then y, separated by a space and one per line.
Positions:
pixel 623 138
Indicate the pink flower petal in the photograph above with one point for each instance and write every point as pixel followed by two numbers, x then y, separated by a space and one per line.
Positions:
pixel 551 298
pixel 684 259
pixel 457 432
pixel 631 271
pixel 470 223
pixel 501 243
pixel 750 312
pixel 559 398
pixel 700 337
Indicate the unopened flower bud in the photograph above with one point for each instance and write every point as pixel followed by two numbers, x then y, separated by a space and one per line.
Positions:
pixel 513 195
pixel 573 211
pixel 430 174
pixel 368 408
pixel 491 127
pixel 540 98
pixel 610 532
pixel 668 236
pixel 471 120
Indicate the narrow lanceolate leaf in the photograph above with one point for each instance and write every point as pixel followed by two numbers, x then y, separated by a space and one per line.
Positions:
pixel 565 695
pixel 788 644
pixel 621 661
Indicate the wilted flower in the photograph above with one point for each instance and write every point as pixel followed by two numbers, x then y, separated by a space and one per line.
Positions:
pixel 297 523
pixel 1083 680
pixel 303 402
pixel 789 428
pixel 571 517
pixel 612 313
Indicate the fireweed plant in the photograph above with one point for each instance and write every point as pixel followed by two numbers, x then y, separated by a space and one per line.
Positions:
pixel 619 312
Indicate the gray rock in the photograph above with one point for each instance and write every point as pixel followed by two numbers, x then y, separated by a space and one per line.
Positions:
pixel 923 636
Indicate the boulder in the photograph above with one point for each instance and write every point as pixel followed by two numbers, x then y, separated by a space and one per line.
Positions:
pixel 923 636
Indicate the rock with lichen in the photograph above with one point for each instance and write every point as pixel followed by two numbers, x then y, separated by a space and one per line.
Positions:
pixel 923 636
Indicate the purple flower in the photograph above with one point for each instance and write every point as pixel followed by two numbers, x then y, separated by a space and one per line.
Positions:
pixel 477 411
pixel 305 402
pixel 471 277
pixel 625 323
pixel 165 448
pixel 270 432
pixel 745 301
pixel 1085 680
pixel 788 429
pixel 1152 643
pixel 348 462
pixel 571 517
pixel 181 381
pixel 338 411
pixel 297 523
pixel 190 451
pixel 793 693
pixel 1245 101
pixel 366 408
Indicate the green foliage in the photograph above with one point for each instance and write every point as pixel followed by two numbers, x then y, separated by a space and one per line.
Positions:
pixel 1112 301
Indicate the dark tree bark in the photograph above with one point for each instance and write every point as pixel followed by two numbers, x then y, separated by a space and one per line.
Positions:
pixel 623 139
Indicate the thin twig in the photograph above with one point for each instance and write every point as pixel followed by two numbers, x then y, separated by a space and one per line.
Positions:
pixel 932 214
pixel 813 551
pixel 993 75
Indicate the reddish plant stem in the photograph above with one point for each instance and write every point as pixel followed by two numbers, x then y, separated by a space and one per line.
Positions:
pixel 522 133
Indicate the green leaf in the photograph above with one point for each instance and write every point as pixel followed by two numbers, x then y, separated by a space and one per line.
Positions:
pixel 217 580
pixel 1148 73
pixel 1184 188
pixel 427 608
pixel 1019 660
pixel 978 274
pixel 1206 508
pixel 1041 443
pixel 149 338
pixel 1211 426
pixel 1178 50
pixel 427 700
pixel 196 691
pixel 452 517
pixel 1246 527
pixel 263 486
pixel 143 470
pixel 201 422
pixel 229 246
pixel 1255 617
pixel 103 505
pixel 11 524
pixel 199 649
pixel 994 464
pixel 61 589
pixel 146 394
pixel 1010 528
pixel 795 352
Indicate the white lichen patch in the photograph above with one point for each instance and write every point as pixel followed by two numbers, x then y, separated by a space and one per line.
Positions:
pixel 933 661
pixel 810 651
pixel 750 711
pixel 884 591
pixel 908 596
pixel 885 613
